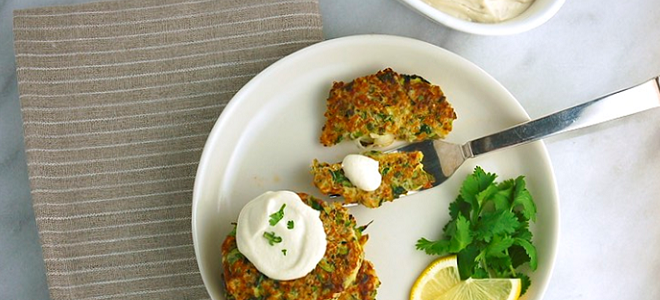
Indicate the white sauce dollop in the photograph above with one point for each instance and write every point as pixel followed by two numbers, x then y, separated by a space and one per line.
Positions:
pixel 295 244
pixel 362 171
pixel 482 11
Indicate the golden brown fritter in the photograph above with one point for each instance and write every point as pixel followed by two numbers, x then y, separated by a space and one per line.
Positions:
pixel 376 109
pixel 334 274
pixel 365 286
pixel 401 172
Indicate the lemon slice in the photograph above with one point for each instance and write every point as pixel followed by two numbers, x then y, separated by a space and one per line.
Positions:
pixel 440 276
pixel 484 289
pixel 440 280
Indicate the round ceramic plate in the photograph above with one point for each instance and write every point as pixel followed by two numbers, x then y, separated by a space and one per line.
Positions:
pixel 268 135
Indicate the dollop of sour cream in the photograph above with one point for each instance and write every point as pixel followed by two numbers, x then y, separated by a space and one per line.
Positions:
pixel 282 236
pixel 482 11
pixel 362 171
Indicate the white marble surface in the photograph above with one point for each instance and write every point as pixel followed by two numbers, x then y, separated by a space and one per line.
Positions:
pixel 608 177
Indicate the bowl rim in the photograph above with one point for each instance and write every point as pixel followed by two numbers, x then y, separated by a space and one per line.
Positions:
pixel 533 17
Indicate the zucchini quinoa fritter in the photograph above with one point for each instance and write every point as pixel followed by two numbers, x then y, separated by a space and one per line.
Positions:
pixel 379 108
pixel 341 274
pixel 401 172
pixel 365 285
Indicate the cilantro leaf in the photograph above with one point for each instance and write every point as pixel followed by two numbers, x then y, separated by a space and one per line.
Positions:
pixel 531 252
pixel 433 247
pixel 474 184
pixel 523 232
pixel 506 184
pixel 518 256
pixel 462 236
pixel 496 223
pixel 499 245
pixel 499 267
pixel 486 194
pixel 523 199
pixel 459 206
pixel 459 237
pixel 525 282
pixel 479 272
pixel 502 199
pixel 467 263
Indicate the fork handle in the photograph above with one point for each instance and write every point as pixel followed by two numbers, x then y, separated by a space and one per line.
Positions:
pixel 609 107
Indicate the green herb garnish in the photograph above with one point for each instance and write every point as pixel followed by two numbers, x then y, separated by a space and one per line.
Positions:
pixel 339 177
pixel 276 217
pixel 289 225
pixel 425 129
pixel 326 266
pixel 489 229
pixel 398 191
pixel 233 256
pixel 272 238
pixel 284 252
pixel 385 171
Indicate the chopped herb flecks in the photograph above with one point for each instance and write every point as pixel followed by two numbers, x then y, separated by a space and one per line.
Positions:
pixel 289 224
pixel 276 217
pixel 339 177
pixel 425 129
pixel 272 238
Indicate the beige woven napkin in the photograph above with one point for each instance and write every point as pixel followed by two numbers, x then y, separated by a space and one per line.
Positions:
pixel 117 100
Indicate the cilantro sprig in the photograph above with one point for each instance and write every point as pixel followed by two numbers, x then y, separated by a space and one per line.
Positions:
pixel 489 229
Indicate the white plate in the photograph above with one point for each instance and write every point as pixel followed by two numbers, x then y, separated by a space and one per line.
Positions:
pixel 267 137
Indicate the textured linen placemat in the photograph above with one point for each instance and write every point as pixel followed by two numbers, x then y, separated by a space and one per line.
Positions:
pixel 117 100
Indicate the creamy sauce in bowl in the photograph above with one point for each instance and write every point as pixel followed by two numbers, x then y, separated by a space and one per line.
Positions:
pixel 482 11
pixel 282 236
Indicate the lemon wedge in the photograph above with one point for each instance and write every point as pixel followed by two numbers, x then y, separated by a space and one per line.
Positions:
pixel 440 280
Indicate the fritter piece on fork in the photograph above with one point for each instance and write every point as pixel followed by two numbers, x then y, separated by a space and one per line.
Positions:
pixel 401 172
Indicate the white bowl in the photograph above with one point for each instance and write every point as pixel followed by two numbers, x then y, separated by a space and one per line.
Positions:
pixel 538 13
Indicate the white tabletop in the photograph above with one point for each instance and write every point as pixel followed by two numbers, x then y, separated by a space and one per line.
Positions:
pixel 607 176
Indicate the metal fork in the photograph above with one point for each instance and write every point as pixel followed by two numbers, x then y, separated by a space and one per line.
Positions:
pixel 442 159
